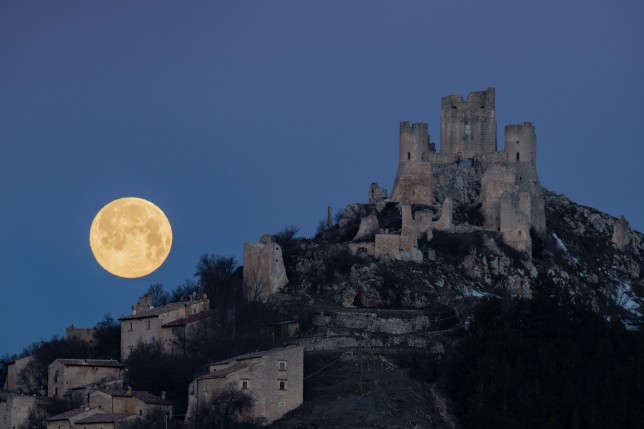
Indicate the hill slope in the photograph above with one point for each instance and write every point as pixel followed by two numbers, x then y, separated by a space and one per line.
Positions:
pixel 400 321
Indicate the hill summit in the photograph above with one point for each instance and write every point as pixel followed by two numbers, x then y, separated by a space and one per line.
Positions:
pixel 399 278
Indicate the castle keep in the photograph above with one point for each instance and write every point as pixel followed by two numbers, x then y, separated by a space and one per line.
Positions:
pixel 468 170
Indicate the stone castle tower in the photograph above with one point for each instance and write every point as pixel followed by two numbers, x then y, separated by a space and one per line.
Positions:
pixel 413 183
pixel 470 170
pixel 520 143
pixel 468 127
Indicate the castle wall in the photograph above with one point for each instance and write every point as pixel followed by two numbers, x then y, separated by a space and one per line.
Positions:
pixel 264 271
pixel 496 181
pixel 468 127
pixel 388 244
pixel 621 231
pixel 445 221
pixel 408 234
pixel 83 334
pixel 413 184
pixel 514 226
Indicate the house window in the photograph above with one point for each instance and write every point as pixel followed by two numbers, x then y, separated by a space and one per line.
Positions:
pixel 281 404
pixel 281 365
pixel 282 385
pixel 468 129
pixel 130 326
pixel 244 384
pixel 148 325
pixel 140 412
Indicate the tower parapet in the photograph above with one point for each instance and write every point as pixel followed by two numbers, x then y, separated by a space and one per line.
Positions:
pixel 520 143
pixel 414 142
pixel 468 127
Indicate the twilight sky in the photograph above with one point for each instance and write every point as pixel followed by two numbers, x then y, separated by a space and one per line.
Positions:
pixel 239 118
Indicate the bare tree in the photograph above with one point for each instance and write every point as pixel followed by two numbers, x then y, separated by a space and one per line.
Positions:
pixel 215 274
pixel 159 295
pixel 225 409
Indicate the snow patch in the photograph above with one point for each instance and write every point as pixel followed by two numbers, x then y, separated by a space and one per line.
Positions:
pixel 624 298
pixel 559 243
pixel 477 294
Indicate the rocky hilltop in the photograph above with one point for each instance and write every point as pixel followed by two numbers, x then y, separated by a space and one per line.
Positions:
pixel 379 311
pixel 393 284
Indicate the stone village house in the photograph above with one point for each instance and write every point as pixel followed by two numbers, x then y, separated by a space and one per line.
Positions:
pixel 131 402
pixel 274 379
pixel 111 409
pixel 84 418
pixel 66 375
pixel 166 324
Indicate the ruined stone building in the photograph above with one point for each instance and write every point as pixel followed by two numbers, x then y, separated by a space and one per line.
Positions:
pixel 14 383
pixel 83 334
pixel 166 324
pixel 264 271
pixel 274 379
pixel 67 375
pixel 14 408
pixel 16 397
pixel 468 170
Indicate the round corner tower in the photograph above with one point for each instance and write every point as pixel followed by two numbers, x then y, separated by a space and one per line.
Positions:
pixel 413 183
pixel 520 143
pixel 414 142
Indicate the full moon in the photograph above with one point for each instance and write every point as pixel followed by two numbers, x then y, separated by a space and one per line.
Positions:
pixel 130 237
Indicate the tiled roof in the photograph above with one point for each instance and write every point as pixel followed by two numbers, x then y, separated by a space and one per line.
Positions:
pixel 247 356
pixel 253 355
pixel 223 373
pixel 67 414
pixel 286 322
pixel 103 418
pixel 92 362
pixel 152 312
pixel 142 395
pixel 188 320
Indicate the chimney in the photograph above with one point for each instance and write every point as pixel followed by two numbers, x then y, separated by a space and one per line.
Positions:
pixel 163 395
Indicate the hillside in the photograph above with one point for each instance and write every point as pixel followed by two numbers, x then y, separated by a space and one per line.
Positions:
pixel 388 328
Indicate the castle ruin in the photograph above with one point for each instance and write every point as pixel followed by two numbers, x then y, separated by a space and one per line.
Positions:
pixel 468 170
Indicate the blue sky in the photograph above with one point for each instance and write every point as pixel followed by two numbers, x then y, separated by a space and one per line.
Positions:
pixel 241 118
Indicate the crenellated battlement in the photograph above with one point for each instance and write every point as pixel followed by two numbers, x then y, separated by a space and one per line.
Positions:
pixel 414 142
pixel 520 143
pixel 468 127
